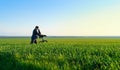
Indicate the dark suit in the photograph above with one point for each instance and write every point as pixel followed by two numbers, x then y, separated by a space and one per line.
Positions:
pixel 35 35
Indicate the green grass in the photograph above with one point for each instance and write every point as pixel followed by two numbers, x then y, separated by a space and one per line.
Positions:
pixel 60 54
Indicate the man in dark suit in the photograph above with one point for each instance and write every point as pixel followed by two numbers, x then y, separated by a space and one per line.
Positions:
pixel 36 33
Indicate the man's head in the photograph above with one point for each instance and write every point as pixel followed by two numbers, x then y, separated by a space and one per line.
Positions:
pixel 36 27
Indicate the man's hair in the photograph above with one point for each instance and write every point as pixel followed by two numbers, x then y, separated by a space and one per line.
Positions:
pixel 36 26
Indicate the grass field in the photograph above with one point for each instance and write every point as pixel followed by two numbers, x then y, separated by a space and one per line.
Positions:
pixel 60 54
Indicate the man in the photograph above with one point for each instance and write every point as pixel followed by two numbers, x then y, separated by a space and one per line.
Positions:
pixel 36 33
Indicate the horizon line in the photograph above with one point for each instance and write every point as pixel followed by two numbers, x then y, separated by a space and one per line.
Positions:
pixel 1 36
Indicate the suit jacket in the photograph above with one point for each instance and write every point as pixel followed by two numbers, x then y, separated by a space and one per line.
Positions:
pixel 36 32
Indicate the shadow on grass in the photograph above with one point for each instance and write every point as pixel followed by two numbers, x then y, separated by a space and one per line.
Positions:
pixel 9 62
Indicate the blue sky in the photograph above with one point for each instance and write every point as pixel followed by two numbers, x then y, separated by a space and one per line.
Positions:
pixel 60 17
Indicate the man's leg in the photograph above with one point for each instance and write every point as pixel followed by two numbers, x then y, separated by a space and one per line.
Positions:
pixel 31 40
pixel 35 41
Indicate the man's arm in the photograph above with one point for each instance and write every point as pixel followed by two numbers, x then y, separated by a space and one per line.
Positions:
pixel 39 33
